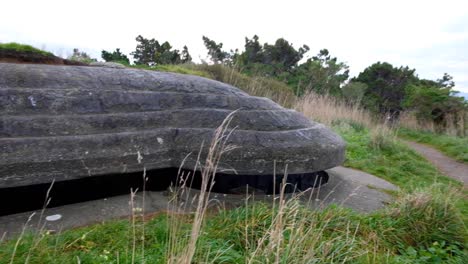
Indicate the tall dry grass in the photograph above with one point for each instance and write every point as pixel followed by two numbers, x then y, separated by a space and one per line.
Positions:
pixel 454 125
pixel 183 251
pixel 328 109
pixel 333 111
pixel 277 91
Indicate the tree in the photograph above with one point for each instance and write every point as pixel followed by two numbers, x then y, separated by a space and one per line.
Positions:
pixel 115 56
pixel 215 52
pixel 282 56
pixel 185 56
pixel 277 60
pixel 145 51
pixel 434 101
pixel 253 52
pixel 446 81
pixel 387 87
pixel 151 52
pixel 81 56
pixel 321 74
pixel 165 55
pixel 354 91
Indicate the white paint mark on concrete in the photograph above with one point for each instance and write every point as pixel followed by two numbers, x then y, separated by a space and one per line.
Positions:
pixel 54 217
pixel 139 157
pixel 32 100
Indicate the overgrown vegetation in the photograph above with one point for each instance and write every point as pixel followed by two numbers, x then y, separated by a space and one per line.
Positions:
pixel 81 56
pixel 150 52
pixel 115 56
pixel 12 46
pixel 378 152
pixel 371 146
pixel 422 227
pixel 425 224
pixel 384 90
pixel 257 86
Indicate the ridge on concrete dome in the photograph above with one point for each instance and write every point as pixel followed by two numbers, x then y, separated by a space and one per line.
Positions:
pixel 69 122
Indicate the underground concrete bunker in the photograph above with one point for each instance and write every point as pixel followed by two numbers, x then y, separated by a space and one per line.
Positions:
pixel 73 124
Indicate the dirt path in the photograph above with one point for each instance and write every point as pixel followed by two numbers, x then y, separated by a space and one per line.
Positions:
pixel 446 165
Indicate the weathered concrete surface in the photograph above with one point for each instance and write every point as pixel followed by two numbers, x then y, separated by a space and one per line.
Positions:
pixel 82 214
pixel 448 166
pixel 68 122
pixel 347 187
pixel 354 189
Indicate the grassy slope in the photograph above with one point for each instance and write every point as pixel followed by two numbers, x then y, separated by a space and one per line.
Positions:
pixel 455 147
pixel 423 226
pixel 393 161
pixel 22 48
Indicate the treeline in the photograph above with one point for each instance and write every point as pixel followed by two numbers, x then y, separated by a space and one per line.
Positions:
pixel 382 88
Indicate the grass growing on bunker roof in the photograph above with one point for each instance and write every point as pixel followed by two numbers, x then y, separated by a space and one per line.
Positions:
pixel 16 47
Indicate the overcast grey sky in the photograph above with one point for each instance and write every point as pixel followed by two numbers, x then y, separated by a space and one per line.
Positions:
pixel 431 36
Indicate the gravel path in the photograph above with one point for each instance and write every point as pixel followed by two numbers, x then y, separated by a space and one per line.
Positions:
pixel 446 165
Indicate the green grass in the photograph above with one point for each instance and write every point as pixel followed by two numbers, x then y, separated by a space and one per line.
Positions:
pixel 392 161
pixel 417 228
pixel 12 46
pixel 455 147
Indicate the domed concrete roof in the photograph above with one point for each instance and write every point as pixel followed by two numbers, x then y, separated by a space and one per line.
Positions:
pixel 69 122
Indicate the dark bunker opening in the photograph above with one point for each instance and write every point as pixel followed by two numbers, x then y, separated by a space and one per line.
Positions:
pixel 33 197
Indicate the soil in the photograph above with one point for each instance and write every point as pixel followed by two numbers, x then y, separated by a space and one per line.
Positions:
pixel 446 165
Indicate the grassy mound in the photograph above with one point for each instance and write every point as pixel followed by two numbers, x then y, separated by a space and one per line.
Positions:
pixel 16 47
pixel 21 53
